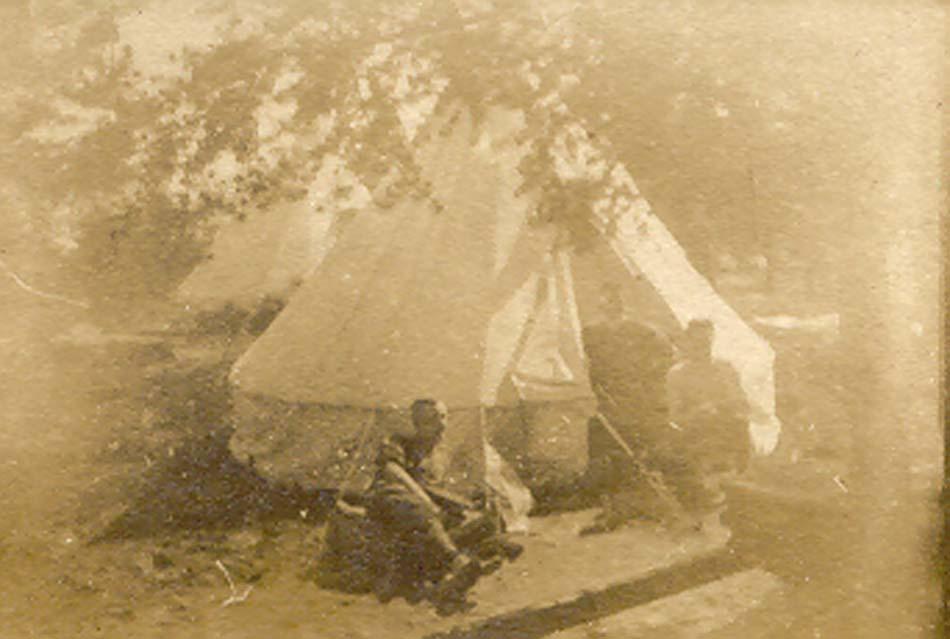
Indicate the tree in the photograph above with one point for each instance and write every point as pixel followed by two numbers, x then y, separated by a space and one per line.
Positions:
pixel 132 169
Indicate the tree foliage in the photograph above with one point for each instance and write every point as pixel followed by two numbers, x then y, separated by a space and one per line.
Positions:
pixel 129 171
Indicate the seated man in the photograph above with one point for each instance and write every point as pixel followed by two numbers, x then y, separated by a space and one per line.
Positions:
pixel 707 404
pixel 429 535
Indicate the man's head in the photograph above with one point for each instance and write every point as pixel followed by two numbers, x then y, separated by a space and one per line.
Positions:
pixel 698 339
pixel 430 418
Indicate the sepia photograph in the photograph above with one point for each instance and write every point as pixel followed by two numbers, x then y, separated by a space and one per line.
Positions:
pixel 472 319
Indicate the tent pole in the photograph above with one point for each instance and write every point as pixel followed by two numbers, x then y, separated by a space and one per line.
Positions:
pixel 653 479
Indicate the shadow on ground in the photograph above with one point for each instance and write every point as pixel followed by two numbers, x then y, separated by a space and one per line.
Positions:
pixel 203 487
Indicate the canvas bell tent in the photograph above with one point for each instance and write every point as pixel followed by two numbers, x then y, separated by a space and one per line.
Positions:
pixel 461 296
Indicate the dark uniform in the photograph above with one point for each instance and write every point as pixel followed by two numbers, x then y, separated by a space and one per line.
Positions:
pixel 421 545
pixel 629 362
pixel 708 405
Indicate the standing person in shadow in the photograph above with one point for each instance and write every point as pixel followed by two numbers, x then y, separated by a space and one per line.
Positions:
pixel 628 363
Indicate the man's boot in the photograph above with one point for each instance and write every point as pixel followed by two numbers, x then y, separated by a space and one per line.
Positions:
pixel 449 595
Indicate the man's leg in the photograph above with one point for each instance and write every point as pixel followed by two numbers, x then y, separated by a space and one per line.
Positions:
pixel 411 525
pixel 482 536
pixel 474 531
pixel 414 545
pixel 683 463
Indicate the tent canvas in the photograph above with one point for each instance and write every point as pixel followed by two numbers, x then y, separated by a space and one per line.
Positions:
pixel 271 251
pixel 262 256
pixel 440 279
pixel 468 302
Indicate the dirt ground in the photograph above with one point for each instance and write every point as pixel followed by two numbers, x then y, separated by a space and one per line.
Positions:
pixel 124 515
pixel 259 579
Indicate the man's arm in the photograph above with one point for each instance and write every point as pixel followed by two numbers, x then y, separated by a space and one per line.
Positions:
pixel 398 473
pixel 695 395
pixel 449 500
